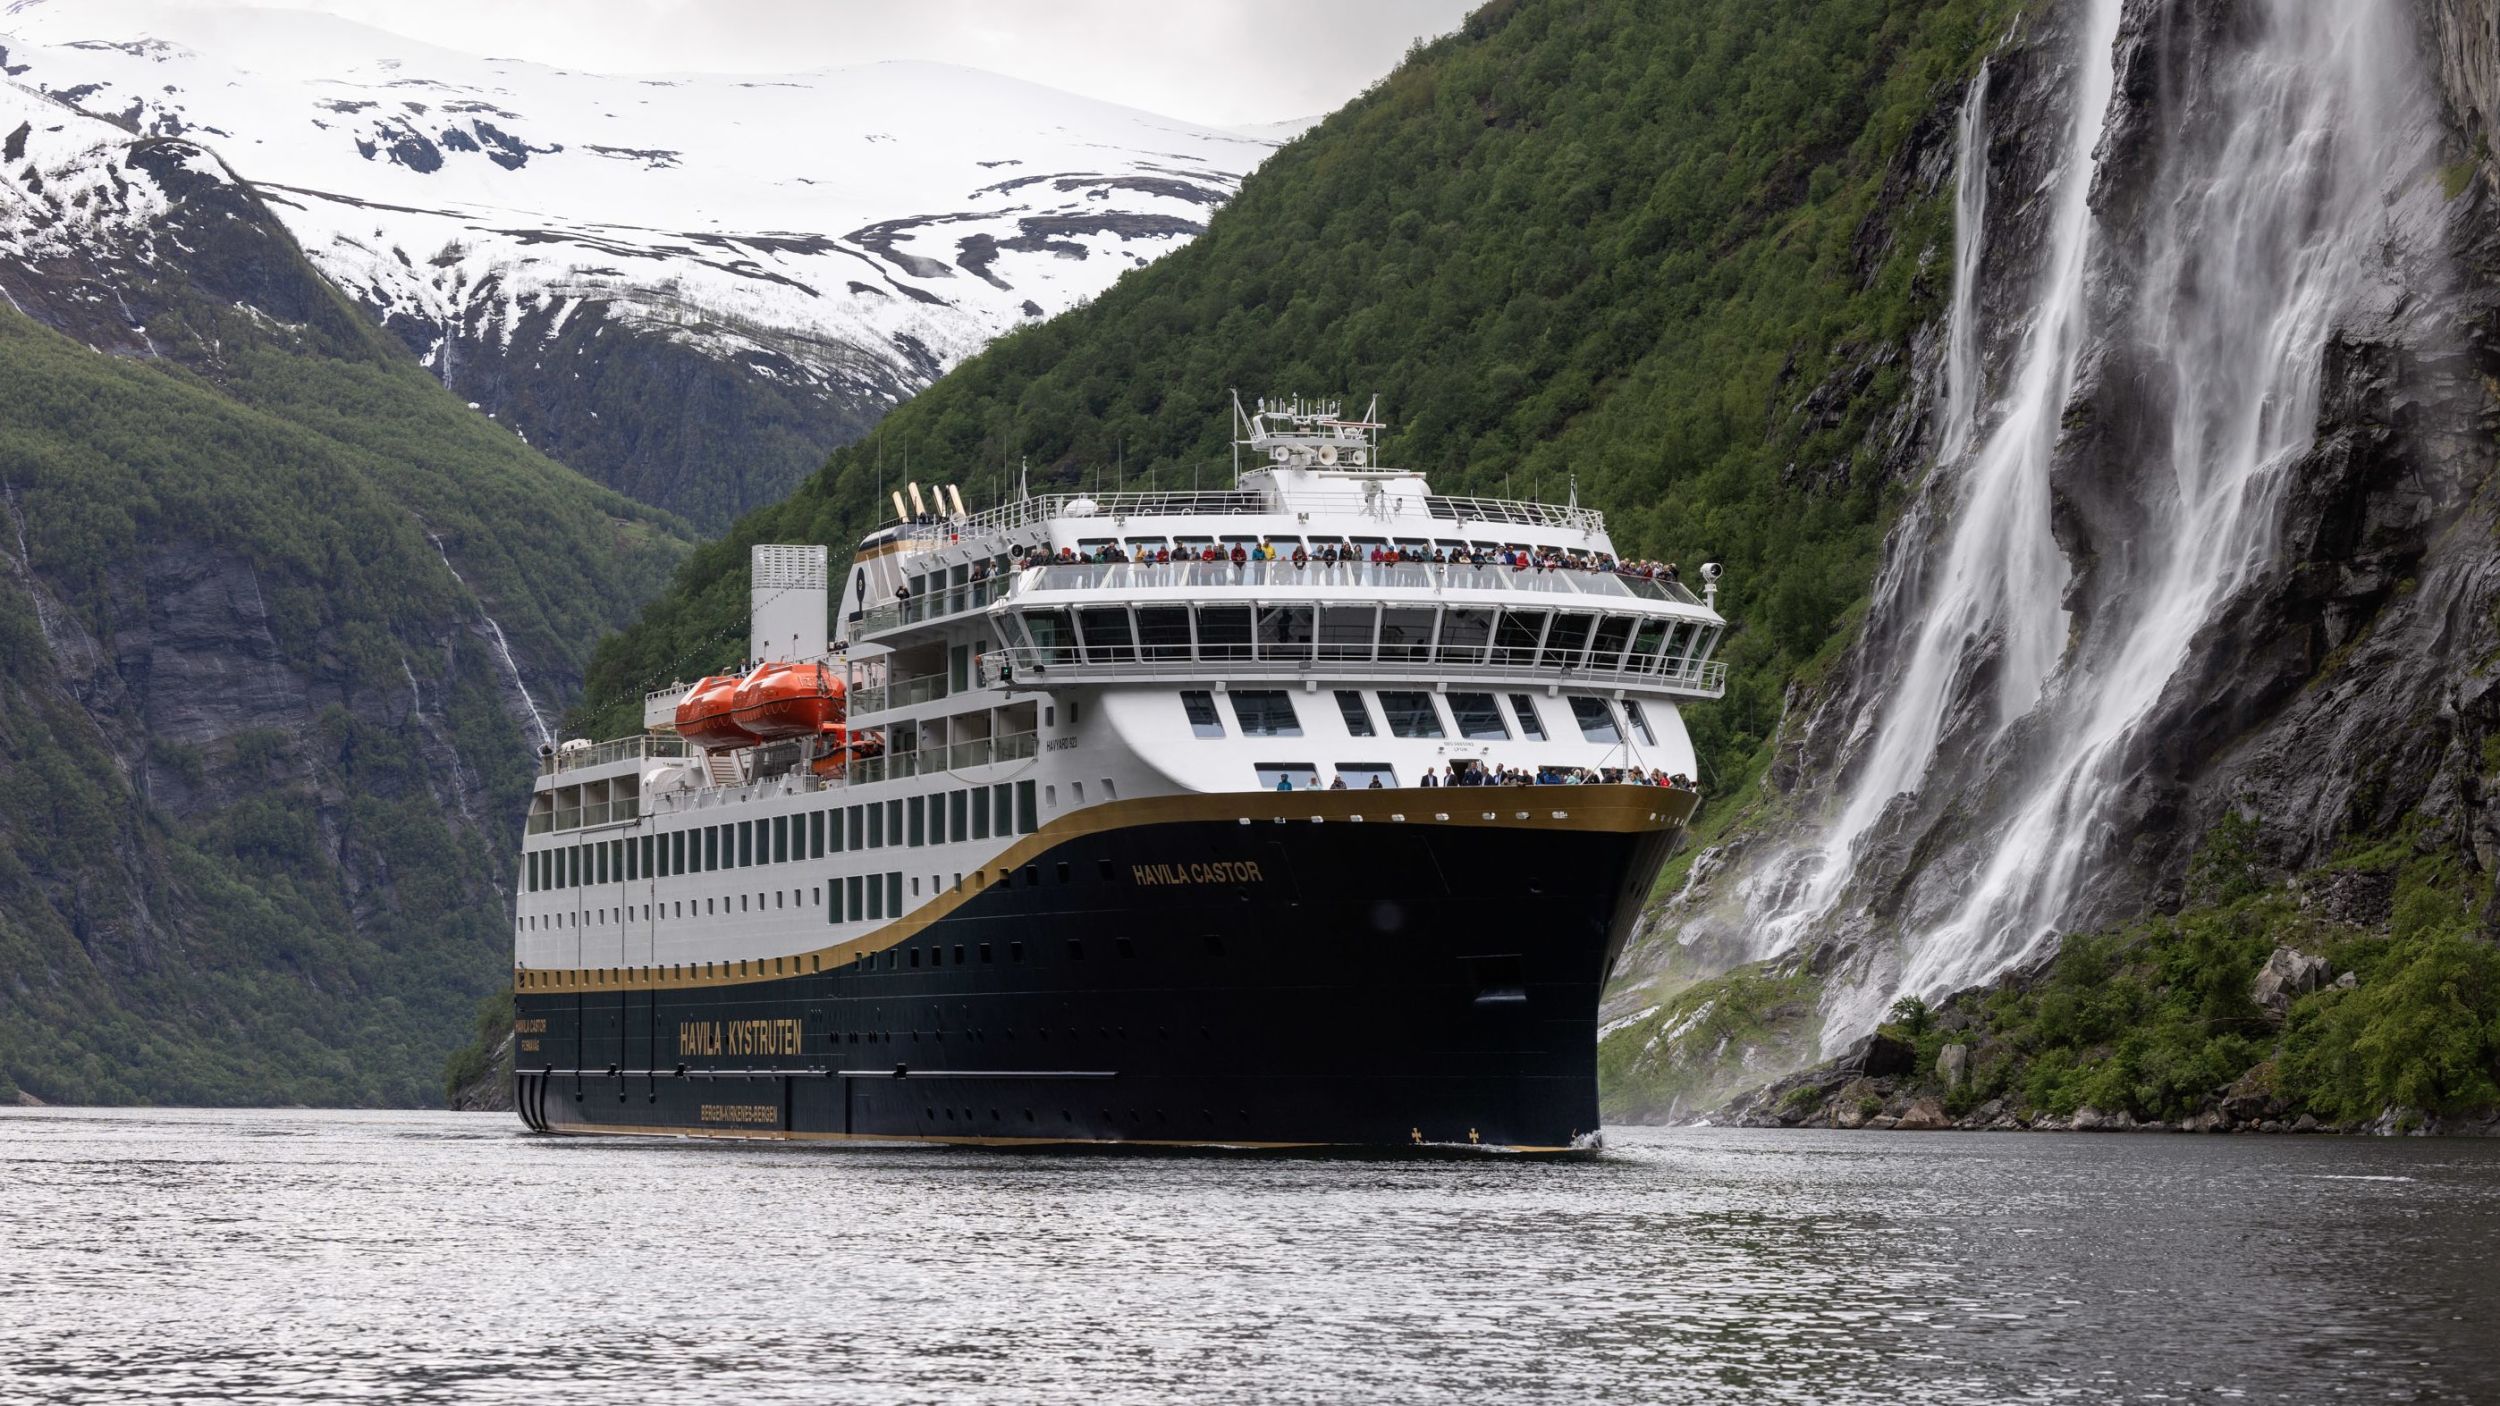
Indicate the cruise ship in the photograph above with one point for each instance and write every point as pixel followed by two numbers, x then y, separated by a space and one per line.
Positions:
pixel 1311 812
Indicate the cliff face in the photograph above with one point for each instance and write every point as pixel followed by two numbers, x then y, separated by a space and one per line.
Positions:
pixel 2263 596
pixel 278 616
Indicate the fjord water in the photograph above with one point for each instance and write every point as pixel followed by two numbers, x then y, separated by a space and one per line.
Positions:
pixel 2285 162
pixel 312 1256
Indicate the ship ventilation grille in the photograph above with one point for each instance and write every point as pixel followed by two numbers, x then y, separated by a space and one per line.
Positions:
pixel 777 568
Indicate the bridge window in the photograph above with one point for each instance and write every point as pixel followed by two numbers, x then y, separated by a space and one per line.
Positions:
pixel 1054 636
pixel 1640 722
pixel 1200 706
pixel 1410 714
pixel 1645 642
pixel 1406 633
pixel 1358 719
pixel 1266 713
pixel 1163 631
pixel 1285 632
pixel 1107 634
pixel 1567 641
pixel 1516 637
pixel 1597 721
pixel 1345 631
pixel 1224 632
pixel 1478 717
pixel 1464 635
pixel 1613 633
pixel 1531 726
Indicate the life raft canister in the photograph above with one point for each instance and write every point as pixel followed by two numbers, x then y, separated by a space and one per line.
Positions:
pixel 782 699
pixel 704 715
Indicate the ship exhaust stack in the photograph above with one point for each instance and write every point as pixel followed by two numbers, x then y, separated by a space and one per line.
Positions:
pixel 786 606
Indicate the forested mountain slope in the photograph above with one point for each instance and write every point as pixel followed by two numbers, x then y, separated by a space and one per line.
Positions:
pixel 1674 249
pixel 275 610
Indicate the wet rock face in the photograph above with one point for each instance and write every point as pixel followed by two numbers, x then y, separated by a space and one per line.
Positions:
pixel 2286 976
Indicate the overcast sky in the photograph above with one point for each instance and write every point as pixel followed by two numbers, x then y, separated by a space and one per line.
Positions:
pixel 1222 62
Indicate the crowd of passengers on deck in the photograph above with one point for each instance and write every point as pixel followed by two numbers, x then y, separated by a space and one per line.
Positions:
pixel 1471 773
pixel 1242 554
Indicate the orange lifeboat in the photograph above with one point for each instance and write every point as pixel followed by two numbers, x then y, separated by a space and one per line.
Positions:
pixel 704 715
pixel 788 700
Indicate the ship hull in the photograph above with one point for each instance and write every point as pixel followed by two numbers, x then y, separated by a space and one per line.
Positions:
pixel 1257 980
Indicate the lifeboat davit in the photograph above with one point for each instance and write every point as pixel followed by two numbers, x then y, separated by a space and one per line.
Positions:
pixel 784 699
pixel 843 746
pixel 704 715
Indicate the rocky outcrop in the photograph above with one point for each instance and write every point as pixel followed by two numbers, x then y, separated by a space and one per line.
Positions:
pixel 490 1091
pixel 2286 976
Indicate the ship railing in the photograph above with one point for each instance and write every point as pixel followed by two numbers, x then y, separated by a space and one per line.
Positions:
pixel 1399 576
pixel 1040 668
pixel 1379 501
pixel 936 605
pixel 902 693
pixel 649 744
pixel 935 761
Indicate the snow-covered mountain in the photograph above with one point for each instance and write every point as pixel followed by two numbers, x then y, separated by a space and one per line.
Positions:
pixel 687 286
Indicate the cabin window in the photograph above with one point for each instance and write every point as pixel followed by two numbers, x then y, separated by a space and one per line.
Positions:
pixel 876 827
pixel 1026 818
pixel 894 821
pixel 894 894
pixel 914 811
pixel 1358 719
pixel 957 803
pixel 853 908
pixel 980 814
pixel 1640 722
pixel 1002 811
pixel 1199 706
pixel 1273 776
pixel 645 859
pixel 1478 717
pixel 1531 726
pixel 1367 776
pixel 746 844
pixel 1410 714
pixel 1265 712
pixel 816 835
pixel 1597 721
pixel 876 900
pixel 781 839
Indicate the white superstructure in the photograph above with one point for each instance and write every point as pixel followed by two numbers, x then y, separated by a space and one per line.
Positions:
pixel 1015 679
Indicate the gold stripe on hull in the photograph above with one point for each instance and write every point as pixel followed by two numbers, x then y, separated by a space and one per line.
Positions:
pixel 1615 809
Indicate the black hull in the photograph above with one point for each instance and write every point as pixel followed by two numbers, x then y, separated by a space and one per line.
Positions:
pixel 1190 981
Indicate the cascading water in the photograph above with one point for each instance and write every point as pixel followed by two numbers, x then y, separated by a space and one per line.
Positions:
pixel 511 669
pixel 2002 576
pixel 2259 224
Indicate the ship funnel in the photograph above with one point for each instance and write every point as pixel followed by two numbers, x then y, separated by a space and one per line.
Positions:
pixel 918 508
pixel 957 495
pixel 786 605
pixel 900 512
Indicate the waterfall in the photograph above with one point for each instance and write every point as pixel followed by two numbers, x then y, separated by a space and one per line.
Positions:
pixel 512 670
pixel 2263 217
pixel 2002 576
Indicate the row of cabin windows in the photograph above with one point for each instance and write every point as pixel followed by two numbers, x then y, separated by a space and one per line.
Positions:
pixel 951 817
pixel 1477 717
pixel 1364 632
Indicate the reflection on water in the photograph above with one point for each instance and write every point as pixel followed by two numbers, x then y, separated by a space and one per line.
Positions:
pixel 300 1256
